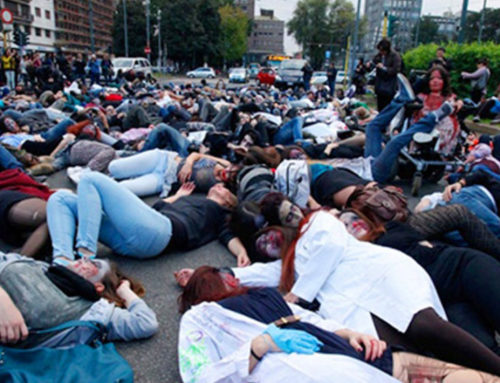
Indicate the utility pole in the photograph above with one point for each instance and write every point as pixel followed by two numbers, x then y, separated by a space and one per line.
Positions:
pixel 125 27
pixel 91 18
pixel 148 2
pixel 355 42
pixel 158 18
pixel 463 20
pixel 481 23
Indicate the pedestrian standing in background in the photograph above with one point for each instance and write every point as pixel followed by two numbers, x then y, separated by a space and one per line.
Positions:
pixel 79 67
pixel 331 74
pixel 9 67
pixel 107 69
pixel 307 71
pixel 479 80
pixel 388 64
pixel 94 70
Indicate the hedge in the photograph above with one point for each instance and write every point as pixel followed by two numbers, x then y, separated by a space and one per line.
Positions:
pixel 463 58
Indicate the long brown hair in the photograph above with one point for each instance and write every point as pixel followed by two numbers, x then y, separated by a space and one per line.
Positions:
pixel 112 281
pixel 205 285
pixel 287 278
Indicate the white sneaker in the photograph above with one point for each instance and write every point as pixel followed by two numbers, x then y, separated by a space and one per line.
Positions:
pixel 404 88
pixel 75 173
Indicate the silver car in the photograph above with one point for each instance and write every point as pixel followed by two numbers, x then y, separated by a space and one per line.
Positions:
pixel 202 72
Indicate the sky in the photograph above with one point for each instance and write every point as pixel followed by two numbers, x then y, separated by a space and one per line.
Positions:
pixel 283 9
pixel 438 7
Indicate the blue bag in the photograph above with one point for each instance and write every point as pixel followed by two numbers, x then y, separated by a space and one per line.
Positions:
pixel 83 363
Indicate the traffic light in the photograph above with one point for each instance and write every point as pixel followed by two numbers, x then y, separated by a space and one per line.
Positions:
pixel 17 36
pixel 21 38
pixel 393 25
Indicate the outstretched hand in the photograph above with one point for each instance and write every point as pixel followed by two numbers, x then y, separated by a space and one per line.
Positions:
pixel 182 276
pixel 186 189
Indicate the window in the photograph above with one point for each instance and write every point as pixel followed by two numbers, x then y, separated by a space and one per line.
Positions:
pixel 38 31
pixel 47 14
pixel 27 29
pixel 38 12
pixel 47 33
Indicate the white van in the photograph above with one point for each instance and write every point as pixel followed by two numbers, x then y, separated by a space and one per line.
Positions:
pixel 138 64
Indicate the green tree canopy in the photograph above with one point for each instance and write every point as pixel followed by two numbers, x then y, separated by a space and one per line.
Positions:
pixel 234 30
pixel 319 25
pixel 491 26
pixel 427 31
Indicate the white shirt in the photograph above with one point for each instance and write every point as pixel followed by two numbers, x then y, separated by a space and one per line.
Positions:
pixel 214 346
pixel 351 279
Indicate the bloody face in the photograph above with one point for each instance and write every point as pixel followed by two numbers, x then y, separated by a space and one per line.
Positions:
pixel 269 243
pixel 436 82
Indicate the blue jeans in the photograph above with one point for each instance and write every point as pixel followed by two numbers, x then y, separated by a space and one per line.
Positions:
pixel 58 130
pixel 8 161
pixel 481 205
pixel 146 171
pixel 383 161
pixel 290 132
pixel 486 169
pixel 166 137
pixel 105 211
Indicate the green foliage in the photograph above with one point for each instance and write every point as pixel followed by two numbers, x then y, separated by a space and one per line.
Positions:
pixel 491 26
pixel 136 22
pixel 427 31
pixel 234 30
pixel 319 25
pixel 463 59
pixel 192 30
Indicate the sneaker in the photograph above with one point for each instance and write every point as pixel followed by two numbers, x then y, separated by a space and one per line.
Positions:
pixel 75 173
pixel 444 111
pixel 405 91
pixel 476 119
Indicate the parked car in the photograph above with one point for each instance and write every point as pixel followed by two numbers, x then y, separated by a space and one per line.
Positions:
pixel 341 76
pixel 290 73
pixel 238 75
pixel 319 77
pixel 138 64
pixel 266 76
pixel 202 72
pixel 253 70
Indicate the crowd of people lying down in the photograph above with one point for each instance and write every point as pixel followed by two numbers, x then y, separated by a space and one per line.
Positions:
pixel 336 279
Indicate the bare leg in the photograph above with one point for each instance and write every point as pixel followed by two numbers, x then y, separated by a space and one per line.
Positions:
pixel 408 367
pixel 29 215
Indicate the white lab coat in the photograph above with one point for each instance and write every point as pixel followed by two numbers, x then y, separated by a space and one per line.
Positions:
pixel 214 346
pixel 351 278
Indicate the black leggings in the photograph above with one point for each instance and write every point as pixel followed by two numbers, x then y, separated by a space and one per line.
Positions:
pixel 429 332
pixel 29 216
pixel 38 148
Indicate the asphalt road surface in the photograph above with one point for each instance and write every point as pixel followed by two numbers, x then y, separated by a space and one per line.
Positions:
pixel 154 360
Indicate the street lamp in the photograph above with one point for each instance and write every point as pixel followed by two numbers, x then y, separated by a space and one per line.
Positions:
pixel 158 18
pixel 148 2
pixel 125 27
pixel 91 19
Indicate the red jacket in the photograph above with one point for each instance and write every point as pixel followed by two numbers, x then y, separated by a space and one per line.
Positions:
pixel 15 179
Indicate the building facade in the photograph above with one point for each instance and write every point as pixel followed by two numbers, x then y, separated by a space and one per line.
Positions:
pixel 73 25
pixel 42 32
pixel 406 14
pixel 448 25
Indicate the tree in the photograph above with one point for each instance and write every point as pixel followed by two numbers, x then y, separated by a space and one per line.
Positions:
pixel 427 31
pixel 136 25
pixel 491 25
pixel 234 30
pixel 191 29
pixel 319 25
